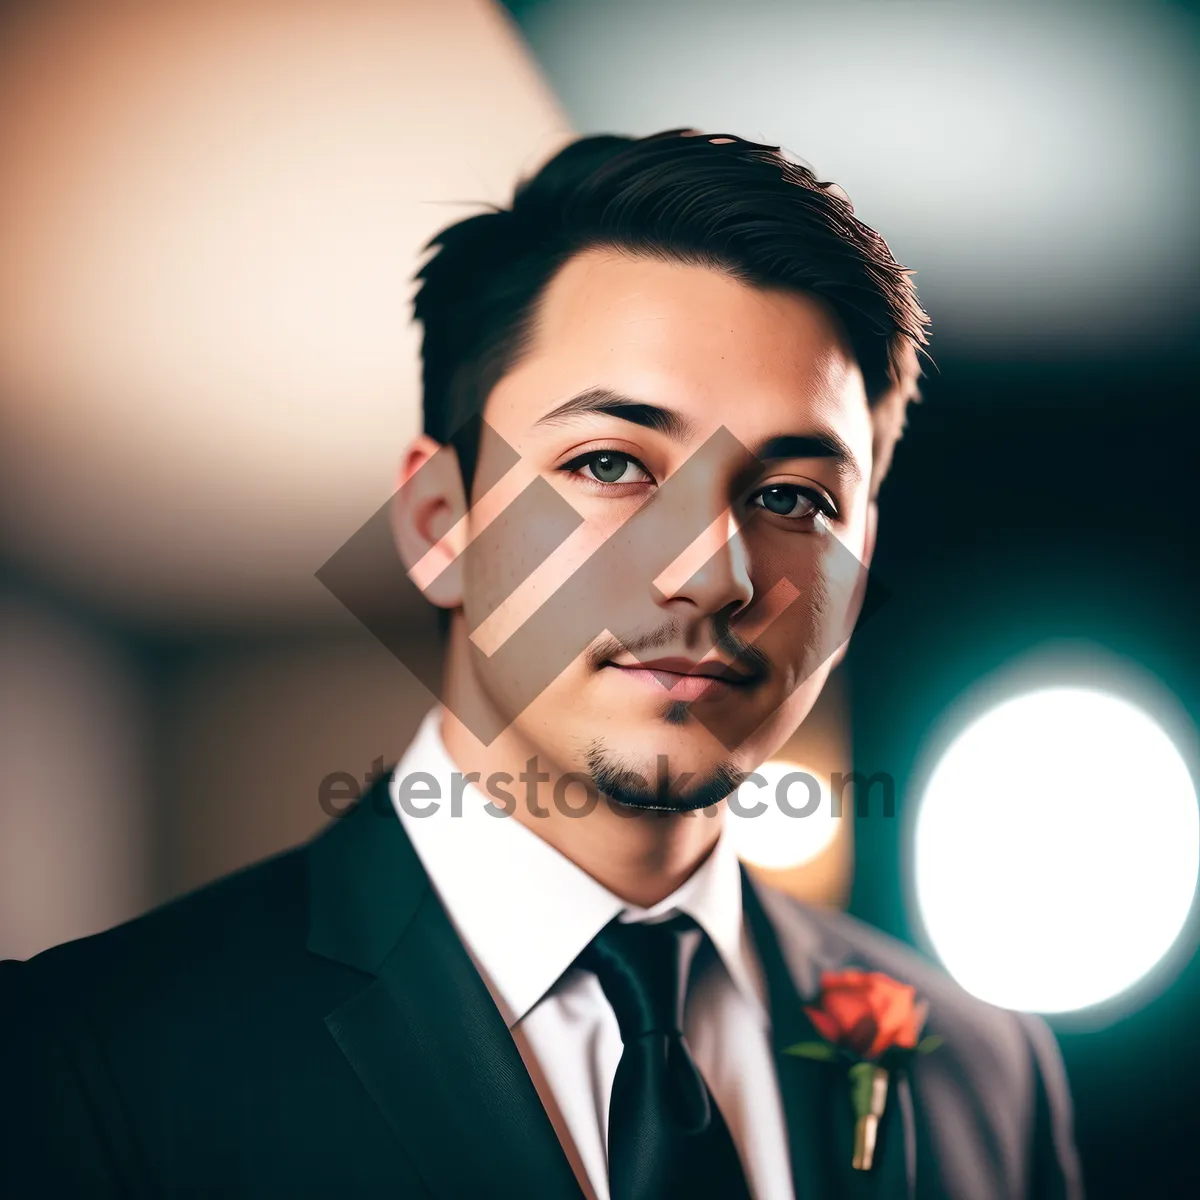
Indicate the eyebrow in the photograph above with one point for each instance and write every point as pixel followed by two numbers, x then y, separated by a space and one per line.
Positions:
pixel 821 444
pixel 613 404
pixel 679 428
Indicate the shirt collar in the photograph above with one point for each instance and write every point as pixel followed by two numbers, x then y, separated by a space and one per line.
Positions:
pixel 523 909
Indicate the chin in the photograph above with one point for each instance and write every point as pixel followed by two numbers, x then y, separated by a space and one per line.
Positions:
pixel 664 746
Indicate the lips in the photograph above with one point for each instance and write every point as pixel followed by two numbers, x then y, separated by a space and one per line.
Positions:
pixel 712 669
pixel 671 668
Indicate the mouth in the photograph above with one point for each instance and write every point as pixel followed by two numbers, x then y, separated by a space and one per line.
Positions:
pixel 683 679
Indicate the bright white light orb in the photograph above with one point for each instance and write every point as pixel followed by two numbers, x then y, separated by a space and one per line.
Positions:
pixel 767 835
pixel 1056 850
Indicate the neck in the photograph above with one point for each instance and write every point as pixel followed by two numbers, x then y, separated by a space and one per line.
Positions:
pixel 638 855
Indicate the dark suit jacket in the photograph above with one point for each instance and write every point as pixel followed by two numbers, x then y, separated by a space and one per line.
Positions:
pixel 312 1026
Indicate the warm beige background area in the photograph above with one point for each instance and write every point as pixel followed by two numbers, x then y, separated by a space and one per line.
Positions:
pixel 210 215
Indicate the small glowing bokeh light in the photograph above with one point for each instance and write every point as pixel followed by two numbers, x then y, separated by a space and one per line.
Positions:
pixel 1056 850
pixel 766 834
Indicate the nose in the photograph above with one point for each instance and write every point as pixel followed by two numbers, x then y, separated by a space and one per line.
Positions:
pixel 713 572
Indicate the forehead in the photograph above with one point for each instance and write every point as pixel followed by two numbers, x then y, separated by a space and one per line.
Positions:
pixel 754 360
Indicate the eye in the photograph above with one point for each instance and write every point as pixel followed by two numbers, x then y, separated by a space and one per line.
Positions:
pixel 793 502
pixel 607 467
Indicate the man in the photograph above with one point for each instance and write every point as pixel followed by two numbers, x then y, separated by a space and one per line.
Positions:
pixel 661 393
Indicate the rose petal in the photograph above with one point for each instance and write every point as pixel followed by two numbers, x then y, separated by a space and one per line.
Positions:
pixel 863 1036
pixel 847 1006
pixel 885 1039
pixel 894 1007
pixel 839 979
pixel 911 1031
pixel 825 1025
pixel 867 1011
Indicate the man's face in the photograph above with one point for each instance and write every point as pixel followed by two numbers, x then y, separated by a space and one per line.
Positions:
pixel 720 516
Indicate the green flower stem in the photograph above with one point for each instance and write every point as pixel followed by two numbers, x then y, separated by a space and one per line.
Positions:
pixel 868 1093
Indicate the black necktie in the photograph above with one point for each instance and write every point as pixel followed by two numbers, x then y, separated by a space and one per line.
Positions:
pixel 666 1136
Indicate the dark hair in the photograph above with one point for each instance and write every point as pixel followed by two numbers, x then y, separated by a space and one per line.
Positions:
pixel 712 200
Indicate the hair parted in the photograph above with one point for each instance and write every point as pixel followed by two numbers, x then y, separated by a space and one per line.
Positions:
pixel 713 200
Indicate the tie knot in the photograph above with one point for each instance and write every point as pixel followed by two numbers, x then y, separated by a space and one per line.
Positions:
pixel 643 971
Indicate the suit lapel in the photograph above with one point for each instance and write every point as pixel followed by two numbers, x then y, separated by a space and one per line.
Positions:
pixel 424 1035
pixel 816 1095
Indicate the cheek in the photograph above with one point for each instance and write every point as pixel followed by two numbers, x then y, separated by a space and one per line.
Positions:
pixel 494 569
pixel 811 590
pixel 843 577
pixel 516 560
pixel 537 592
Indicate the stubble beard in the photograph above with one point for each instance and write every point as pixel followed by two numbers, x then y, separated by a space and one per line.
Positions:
pixel 631 789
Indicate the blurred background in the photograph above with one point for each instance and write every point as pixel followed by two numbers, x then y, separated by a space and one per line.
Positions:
pixel 210 215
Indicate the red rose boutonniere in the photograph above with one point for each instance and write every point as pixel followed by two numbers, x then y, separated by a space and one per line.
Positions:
pixel 875 1022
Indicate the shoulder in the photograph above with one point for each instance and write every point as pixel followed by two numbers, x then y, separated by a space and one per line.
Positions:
pixel 995 1086
pixel 996 1082
pixel 231 931
pixel 120 1042
pixel 142 1048
pixel 833 939
pixel 988 1049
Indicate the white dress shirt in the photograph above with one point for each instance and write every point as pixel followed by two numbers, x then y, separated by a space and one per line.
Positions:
pixel 524 912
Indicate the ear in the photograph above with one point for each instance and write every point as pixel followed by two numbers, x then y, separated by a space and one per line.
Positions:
pixel 872 526
pixel 430 503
